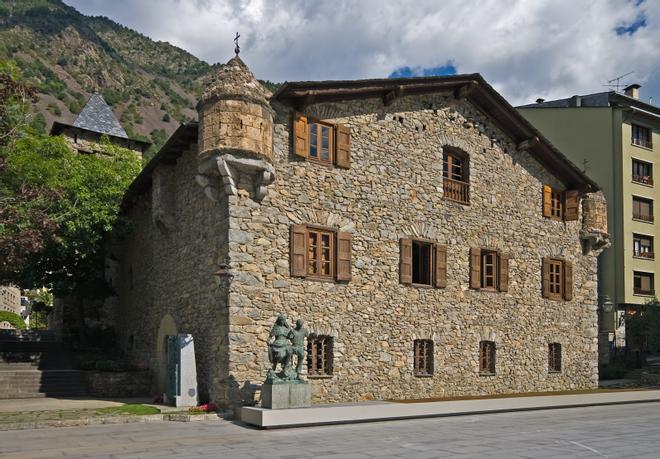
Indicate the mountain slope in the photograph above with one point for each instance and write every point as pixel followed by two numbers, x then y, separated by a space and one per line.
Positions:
pixel 151 86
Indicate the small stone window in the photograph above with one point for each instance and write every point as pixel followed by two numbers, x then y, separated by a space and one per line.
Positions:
pixel 557 276
pixel 455 174
pixel 489 270
pixel 422 263
pixel 487 357
pixel 554 357
pixel 322 142
pixel 560 205
pixel 423 349
pixel 320 253
pixel 319 355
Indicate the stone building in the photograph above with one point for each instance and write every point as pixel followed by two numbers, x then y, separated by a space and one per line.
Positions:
pixel 95 120
pixel 434 243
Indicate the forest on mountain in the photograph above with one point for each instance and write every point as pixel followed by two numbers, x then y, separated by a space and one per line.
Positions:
pixel 152 86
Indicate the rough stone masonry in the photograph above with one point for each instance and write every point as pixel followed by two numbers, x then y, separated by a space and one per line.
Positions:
pixel 210 242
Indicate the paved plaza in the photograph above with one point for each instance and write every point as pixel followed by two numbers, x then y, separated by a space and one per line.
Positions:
pixel 610 431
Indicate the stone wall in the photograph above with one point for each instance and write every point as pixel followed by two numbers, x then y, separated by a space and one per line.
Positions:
pixel 393 190
pixel 88 142
pixel 119 384
pixel 165 276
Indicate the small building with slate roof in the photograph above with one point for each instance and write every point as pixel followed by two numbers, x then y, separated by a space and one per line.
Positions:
pixel 95 120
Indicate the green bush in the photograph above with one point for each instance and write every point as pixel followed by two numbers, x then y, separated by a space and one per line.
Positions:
pixel 13 318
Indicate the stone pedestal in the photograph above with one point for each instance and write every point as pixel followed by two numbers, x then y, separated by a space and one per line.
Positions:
pixel 282 396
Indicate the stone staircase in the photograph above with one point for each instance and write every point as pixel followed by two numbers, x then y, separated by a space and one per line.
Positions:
pixel 34 364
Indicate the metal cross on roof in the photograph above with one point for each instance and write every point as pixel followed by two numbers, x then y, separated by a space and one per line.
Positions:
pixel 238 48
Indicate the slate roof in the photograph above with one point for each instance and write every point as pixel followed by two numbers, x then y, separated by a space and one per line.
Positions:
pixel 598 99
pixel 97 116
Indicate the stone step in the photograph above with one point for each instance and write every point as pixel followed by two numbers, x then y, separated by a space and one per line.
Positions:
pixel 37 383
pixel 27 335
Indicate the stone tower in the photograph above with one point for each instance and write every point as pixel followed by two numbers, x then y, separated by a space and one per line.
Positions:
pixel 235 133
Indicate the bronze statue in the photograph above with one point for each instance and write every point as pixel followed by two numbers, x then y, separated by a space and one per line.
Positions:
pixel 284 343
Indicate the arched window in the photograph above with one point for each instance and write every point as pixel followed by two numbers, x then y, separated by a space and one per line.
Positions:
pixel 455 175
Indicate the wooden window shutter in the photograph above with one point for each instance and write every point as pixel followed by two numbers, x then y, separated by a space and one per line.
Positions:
pixel 572 205
pixel 300 135
pixel 547 201
pixel 568 280
pixel 298 250
pixel 405 261
pixel 545 276
pixel 343 145
pixel 475 267
pixel 344 257
pixel 441 266
pixel 504 272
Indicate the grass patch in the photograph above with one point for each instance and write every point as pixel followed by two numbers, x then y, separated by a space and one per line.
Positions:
pixel 134 409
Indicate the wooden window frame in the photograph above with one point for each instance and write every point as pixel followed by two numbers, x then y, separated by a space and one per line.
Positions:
pixel 320 356
pixel 554 358
pixel 487 358
pixel 638 173
pixel 423 358
pixel 428 246
pixel 319 142
pixel 557 205
pixel 556 275
pixel 639 290
pixel 639 216
pixel 494 263
pixel 318 255
pixel 637 140
pixel 456 188
pixel 638 246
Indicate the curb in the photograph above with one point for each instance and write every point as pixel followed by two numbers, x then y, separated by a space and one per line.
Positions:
pixel 47 423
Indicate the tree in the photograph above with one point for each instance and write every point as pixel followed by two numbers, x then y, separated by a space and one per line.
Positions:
pixel 643 328
pixel 57 206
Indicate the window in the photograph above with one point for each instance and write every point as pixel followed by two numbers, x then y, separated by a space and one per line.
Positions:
pixel 455 176
pixel 322 142
pixel 642 209
pixel 643 283
pixel 489 270
pixel 487 357
pixel 319 355
pixel 643 246
pixel 642 172
pixel 423 263
pixel 641 136
pixel 423 349
pixel 554 357
pixel 557 279
pixel 320 253
pixel 560 205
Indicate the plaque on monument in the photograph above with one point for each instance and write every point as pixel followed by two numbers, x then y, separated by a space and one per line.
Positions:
pixel 283 387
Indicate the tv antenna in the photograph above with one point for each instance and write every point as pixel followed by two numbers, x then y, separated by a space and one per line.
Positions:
pixel 615 83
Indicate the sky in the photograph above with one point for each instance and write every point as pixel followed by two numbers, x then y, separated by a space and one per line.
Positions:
pixel 526 49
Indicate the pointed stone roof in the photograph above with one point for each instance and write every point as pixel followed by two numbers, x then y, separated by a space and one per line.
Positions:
pixel 97 116
pixel 234 80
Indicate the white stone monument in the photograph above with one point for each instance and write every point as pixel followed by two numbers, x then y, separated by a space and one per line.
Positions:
pixel 181 371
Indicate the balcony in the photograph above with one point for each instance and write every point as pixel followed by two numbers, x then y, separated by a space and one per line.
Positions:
pixel 643 179
pixel 456 190
pixel 643 217
pixel 641 291
pixel 647 255
pixel 642 143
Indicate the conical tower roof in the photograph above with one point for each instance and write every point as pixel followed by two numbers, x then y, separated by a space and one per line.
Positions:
pixel 234 80
pixel 97 116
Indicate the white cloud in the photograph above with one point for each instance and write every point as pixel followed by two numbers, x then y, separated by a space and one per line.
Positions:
pixel 525 48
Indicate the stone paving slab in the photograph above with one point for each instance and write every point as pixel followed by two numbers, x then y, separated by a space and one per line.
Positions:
pixel 332 414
